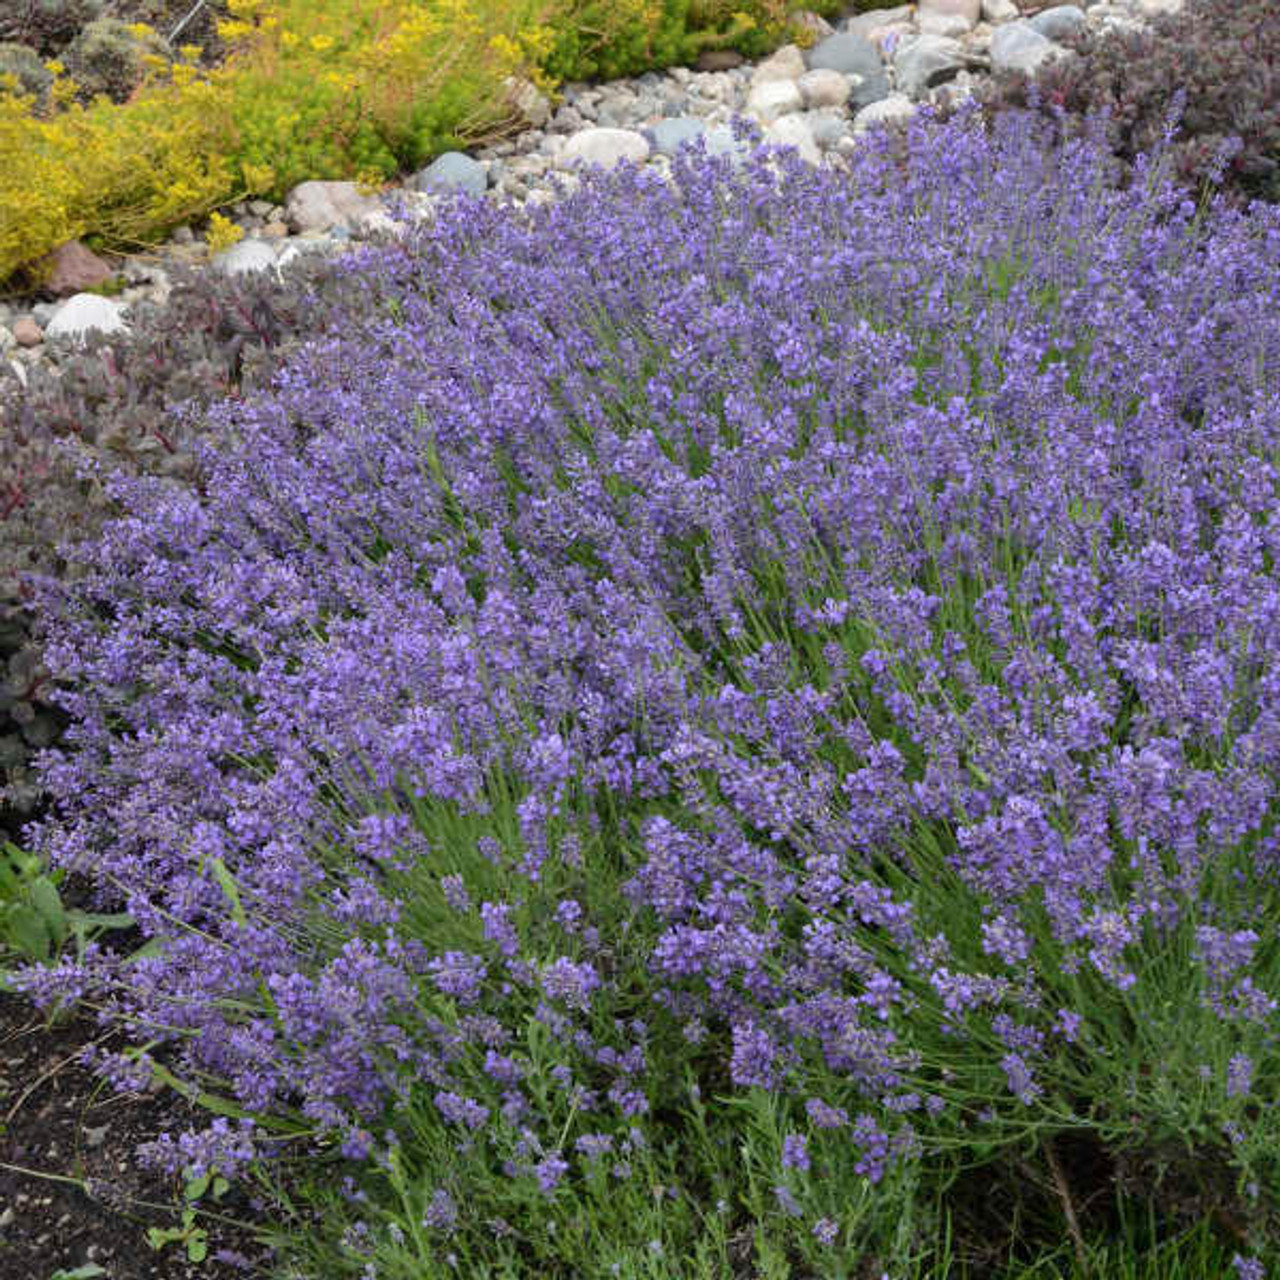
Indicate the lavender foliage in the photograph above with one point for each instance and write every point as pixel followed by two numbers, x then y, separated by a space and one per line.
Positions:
pixel 855 593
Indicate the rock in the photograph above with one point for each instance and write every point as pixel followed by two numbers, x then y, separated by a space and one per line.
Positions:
pixel 893 109
pixel 719 60
pixel 1154 8
pixel 792 131
pixel 83 312
pixel 260 208
pixel 786 63
pixel 969 10
pixel 671 134
pixel 774 99
pixel 950 25
pixel 925 62
pixel 182 235
pixel 318 205
pixel 27 332
pixel 997 11
pixel 452 171
pixel 379 222
pixel 7 340
pixel 277 230
pixel 73 268
pixel 846 52
pixel 527 100
pixel 816 25
pixel 721 142
pixel 1018 46
pixel 824 88
pixel 1061 20
pixel 248 255
pixel 827 126
pixel 606 147
pixel 861 23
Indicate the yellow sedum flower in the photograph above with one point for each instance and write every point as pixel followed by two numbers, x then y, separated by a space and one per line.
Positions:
pixel 223 233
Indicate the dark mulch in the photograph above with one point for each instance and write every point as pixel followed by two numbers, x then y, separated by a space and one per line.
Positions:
pixel 60 1121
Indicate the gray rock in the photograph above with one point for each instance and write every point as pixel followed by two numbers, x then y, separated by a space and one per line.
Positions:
pixel 1018 46
pixel 827 127
pixel 605 147
pixel 850 54
pixel 1061 20
pixel 248 255
pixel 84 311
pixel 450 172
pixel 721 142
pixel 996 11
pixel 527 100
pixel 671 134
pixel 317 206
pixel 926 62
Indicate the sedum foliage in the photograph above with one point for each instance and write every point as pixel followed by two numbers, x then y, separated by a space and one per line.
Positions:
pixel 767 679
pixel 1221 55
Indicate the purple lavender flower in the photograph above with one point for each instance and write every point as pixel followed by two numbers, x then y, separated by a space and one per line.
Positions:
pixel 795 1152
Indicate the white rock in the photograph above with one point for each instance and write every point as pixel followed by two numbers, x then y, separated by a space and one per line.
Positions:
pixel 20 370
pixel 824 88
pixel 7 340
pixel 247 255
pixel 317 206
pixel 1016 46
pixel 774 99
pixel 969 10
pixel 862 23
pixel 786 63
pixel 1153 8
pixel 897 106
pixel 84 311
pixel 996 11
pixel 605 147
pixel 792 131
pixel 950 25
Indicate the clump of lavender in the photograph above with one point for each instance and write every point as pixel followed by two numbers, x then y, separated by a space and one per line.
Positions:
pixel 814 636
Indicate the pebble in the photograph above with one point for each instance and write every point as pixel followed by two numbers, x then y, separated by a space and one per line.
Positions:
pixel 84 311
pixel 27 333
pixel 606 147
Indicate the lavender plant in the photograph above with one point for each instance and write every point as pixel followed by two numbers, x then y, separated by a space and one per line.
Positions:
pixel 730 704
